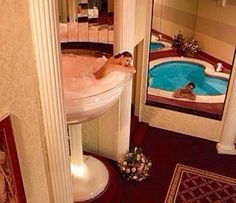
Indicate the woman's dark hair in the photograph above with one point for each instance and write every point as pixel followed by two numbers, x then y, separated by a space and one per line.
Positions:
pixel 192 84
pixel 125 54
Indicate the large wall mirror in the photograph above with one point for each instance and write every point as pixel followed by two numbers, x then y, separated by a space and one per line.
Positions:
pixel 191 54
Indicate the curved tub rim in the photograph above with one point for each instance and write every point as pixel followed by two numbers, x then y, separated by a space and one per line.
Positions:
pixel 199 98
pixel 90 102
pixel 120 84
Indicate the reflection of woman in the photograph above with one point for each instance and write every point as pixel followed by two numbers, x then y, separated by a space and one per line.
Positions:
pixel 186 92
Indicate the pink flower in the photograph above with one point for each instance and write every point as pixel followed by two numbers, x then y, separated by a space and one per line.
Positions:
pixel 134 165
pixel 127 170
pixel 133 169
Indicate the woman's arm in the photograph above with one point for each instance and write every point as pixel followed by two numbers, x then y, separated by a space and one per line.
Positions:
pixel 177 94
pixel 132 69
pixel 115 67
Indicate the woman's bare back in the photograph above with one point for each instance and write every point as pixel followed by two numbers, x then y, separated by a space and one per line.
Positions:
pixel 113 64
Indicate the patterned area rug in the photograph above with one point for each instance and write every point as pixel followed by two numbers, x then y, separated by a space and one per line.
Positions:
pixel 193 185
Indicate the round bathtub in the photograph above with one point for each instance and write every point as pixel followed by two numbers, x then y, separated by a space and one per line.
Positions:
pixel 86 99
pixel 168 74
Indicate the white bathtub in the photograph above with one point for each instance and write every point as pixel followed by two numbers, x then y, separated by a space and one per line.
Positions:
pixel 86 100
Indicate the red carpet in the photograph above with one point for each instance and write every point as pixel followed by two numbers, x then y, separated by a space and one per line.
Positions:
pixel 190 184
pixel 165 149
pixel 134 123
pixel 136 138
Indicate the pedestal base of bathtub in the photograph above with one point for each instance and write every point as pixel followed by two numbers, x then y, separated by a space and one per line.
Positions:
pixel 91 182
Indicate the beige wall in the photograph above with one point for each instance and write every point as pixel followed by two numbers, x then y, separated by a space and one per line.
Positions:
pixel 173 120
pixel 171 16
pixel 212 25
pixel 110 5
pixel 140 20
pixel 216 29
pixel 20 97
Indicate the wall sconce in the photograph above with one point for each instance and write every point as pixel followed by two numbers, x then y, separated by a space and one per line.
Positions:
pixel 222 2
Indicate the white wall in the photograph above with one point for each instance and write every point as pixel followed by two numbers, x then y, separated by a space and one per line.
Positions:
pixel 216 29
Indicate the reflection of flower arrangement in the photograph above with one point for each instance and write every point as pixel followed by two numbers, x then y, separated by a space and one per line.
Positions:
pixel 134 165
pixel 177 40
pixel 190 46
pixel 186 46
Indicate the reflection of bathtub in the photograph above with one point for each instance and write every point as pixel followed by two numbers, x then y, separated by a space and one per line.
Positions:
pixel 208 69
pixel 84 32
pixel 91 99
pixel 166 45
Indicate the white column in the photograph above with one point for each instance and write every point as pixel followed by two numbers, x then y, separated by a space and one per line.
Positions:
pixel 226 144
pixel 62 5
pixel 46 48
pixel 73 12
pixel 124 25
pixel 124 28
pixel 124 119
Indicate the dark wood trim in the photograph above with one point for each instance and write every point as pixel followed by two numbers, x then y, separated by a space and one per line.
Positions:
pixel 100 47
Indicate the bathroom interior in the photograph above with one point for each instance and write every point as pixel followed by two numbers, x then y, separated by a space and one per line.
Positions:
pixel 99 119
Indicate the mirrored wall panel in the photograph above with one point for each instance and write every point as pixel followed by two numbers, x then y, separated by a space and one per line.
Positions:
pixel 86 21
pixel 191 53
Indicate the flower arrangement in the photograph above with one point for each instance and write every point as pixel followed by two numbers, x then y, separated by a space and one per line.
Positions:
pixel 177 40
pixel 185 46
pixel 190 46
pixel 134 165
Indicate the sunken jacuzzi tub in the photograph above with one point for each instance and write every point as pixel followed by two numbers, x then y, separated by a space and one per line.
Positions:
pixel 170 73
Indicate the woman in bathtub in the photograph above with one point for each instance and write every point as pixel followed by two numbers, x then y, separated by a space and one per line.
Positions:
pixel 119 62
pixel 80 72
